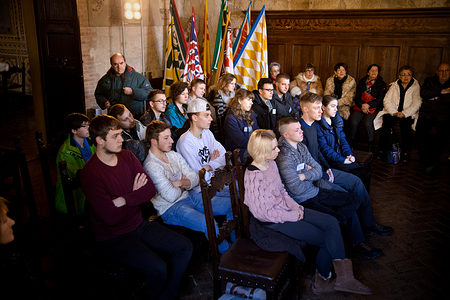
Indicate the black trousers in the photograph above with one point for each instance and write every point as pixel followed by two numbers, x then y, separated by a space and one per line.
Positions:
pixel 142 249
pixel 406 132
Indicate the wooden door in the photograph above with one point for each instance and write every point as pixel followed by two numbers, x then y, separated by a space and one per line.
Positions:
pixel 60 54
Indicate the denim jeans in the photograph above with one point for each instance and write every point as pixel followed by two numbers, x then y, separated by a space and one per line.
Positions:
pixel 189 213
pixel 348 182
pixel 342 206
pixel 320 230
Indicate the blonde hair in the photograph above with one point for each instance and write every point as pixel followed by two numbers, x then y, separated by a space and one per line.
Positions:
pixel 260 144
pixel 236 107
pixel 3 209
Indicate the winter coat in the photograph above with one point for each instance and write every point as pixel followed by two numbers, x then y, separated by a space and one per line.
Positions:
pixel 176 117
pixel 435 104
pixel 348 93
pixel 391 101
pixel 237 132
pixel 70 153
pixel 332 141
pixel 110 88
pixel 266 119
pixel 299 85
pixel 291 162
pixel 377 91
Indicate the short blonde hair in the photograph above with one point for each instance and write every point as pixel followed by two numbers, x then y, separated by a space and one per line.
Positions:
pixel 260 144
pixel 3 209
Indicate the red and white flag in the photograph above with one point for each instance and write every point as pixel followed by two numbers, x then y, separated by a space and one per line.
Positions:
pixel 193 68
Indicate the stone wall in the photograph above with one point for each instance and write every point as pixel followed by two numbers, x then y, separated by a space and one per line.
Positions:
pixel 101 28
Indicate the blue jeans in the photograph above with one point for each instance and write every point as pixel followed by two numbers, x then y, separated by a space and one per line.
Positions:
pixel 348 182
pixel 189 213
pixel 342 206
pixel 320 230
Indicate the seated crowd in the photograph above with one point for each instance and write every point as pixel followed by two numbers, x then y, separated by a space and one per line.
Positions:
pixel 304 180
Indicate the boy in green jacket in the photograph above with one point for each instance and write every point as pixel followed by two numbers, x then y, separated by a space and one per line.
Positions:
pixel 76 150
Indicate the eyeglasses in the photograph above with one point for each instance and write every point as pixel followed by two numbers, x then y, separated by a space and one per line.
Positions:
pixel 406 75
pixel 269 90
pixel 160 101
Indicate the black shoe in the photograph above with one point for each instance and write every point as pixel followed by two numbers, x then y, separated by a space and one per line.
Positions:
pixel 379 229
pixel 367 251
pixel 405 157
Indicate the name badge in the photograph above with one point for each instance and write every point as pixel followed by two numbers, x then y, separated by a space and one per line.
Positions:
pixel 300 167
pixel 274 111
pixel 176 176
pixel 246 129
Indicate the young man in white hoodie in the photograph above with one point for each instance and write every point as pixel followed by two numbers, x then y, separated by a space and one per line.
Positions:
pixel 178 200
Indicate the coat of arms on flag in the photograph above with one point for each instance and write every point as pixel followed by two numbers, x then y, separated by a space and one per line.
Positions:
pixel 175 57
pixel 193 69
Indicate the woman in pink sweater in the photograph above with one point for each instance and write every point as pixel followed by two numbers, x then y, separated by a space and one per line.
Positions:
pixel 269 202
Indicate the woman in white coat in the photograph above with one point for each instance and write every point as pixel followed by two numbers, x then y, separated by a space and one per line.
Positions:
pixel 401 105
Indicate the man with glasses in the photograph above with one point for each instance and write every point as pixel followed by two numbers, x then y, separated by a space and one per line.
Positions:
pixel 263 105
pixel 434 117
pixel 157 104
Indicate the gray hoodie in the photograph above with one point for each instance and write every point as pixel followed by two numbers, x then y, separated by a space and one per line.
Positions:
pixel 292 162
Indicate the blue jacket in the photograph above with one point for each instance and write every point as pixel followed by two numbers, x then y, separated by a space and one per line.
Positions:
pixel 332 142
pixel 176 117
pixel 237 132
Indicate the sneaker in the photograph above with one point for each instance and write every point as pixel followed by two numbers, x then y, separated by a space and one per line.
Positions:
pixel 379 229
pixel 367 251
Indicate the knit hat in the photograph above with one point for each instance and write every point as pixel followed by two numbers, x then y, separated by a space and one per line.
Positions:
pixel 197 105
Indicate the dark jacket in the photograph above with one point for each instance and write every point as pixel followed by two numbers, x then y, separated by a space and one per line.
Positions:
pixel 332 141
pixel 378 90
pixel 439 107
pixel 110 88
pixel 310 140
pixel 266 119
pixel 150 116
pixel 237 133
pixel 285 106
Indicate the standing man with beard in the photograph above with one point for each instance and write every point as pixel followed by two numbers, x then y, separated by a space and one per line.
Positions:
pixel 122 84
pixel 116 185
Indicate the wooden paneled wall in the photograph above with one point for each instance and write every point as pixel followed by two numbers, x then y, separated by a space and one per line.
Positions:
pixel 390 38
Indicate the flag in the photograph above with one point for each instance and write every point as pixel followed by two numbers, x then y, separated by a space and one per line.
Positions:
pixel 206 48
pixel 251 62
pixel 228 55
pixel 243 32
pixel 221 31
pixel 193 69
pixel 175 56
pixel 225 44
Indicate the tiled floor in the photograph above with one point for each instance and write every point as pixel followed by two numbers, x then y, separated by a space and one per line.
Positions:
pixel 416 257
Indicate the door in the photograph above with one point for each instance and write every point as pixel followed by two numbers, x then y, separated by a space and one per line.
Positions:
pixel 58 32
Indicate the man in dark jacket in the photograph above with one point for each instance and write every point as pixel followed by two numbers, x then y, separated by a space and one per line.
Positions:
pixel 157 104
pixel 122 84
pixel 282 99
pixel 263 105
pixel 434 118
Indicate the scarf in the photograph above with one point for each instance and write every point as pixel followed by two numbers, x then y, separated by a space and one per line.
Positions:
pixel 338 86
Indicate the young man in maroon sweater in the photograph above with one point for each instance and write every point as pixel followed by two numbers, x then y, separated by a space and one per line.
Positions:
pixel 115 185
